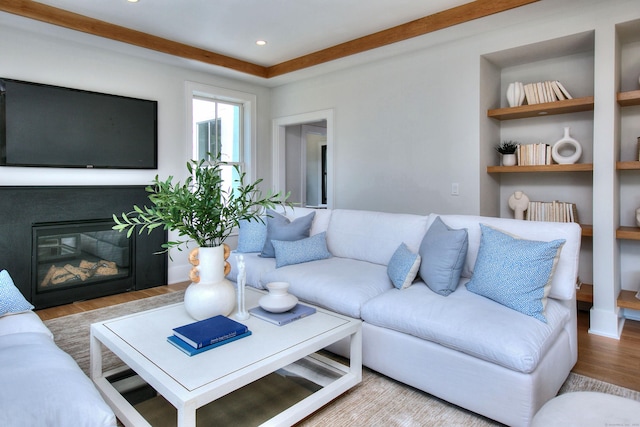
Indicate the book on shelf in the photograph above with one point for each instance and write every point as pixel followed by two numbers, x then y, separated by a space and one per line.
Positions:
pixel 209 331
pixel 534 154
pixel 552 211
pixel 296 313
pixel 191 351
pixel 547 91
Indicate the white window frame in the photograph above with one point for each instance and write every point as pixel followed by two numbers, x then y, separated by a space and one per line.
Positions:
pixel 248 102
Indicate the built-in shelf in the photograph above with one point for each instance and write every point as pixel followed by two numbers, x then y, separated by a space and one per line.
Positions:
pixel 585 293
pixel 628 233
pixel 577 167
pixel 545 109
pixel 626 99
pixel 626 299
pixel 633 165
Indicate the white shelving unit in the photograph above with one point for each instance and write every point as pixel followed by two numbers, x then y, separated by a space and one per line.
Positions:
pixel 600 69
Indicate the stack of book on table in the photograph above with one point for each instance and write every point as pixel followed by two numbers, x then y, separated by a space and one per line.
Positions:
pixel 297 312
pixel 206 334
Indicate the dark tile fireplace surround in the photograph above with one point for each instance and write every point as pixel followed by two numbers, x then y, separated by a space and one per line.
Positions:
pixel 58 245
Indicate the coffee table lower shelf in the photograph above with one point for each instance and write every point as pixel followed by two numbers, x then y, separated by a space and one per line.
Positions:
pixel 281 398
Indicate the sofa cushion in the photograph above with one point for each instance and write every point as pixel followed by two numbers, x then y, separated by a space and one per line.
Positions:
pixel 304 250
pixel 255 268
pixel 279 227
pixel 27 321
pixel 11 300
pixel 515 272
pixel 43 386
pixel 251 236
pixel 403 267
pixel 373 236
pixel 469 323
pixel 443 251
pixel 563 285
pixel 339 284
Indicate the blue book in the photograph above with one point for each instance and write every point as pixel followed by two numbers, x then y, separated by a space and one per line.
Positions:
pixel 186 348
pixel 209 331
pixel 296 313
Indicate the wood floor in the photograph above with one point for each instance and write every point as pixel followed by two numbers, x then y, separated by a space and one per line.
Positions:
pixel 607 359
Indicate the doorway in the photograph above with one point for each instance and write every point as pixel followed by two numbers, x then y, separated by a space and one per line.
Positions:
pixel 303 158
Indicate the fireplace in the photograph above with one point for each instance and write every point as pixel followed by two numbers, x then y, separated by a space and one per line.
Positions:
pixel 58 245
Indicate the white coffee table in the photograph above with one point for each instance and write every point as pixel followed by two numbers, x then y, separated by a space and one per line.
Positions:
pixel 140 341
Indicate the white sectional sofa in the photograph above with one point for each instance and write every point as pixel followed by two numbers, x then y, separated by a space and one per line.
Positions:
pixel 41 384
pixel 459 344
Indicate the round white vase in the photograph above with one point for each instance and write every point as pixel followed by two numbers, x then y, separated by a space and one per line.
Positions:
pixel 278 300
pixel 210 293
pixel 566 151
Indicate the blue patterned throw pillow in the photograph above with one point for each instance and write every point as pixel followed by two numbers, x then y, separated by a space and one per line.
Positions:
pixel 403 267
pixel 298 251
pixel 251 236
pixel 515 272
pixel 11 300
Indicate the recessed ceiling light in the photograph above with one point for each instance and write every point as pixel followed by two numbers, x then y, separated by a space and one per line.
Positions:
pixel 133 1
pixel 261 42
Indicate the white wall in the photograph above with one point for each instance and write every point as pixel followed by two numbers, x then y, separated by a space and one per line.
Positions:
pixel 62 57
pixel 407 127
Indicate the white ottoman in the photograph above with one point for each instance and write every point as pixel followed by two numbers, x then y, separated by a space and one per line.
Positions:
pixel 588 409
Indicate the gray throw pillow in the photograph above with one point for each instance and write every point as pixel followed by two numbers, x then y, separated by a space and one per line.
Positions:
pixel 280 228
pixel 443 251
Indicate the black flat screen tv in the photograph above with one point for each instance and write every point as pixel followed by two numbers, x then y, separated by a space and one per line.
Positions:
pixel 52 126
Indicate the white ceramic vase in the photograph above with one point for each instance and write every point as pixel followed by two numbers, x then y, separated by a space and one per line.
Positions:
pixel 210 293
pixel 515 94
pixel 566 151
pixel 278 300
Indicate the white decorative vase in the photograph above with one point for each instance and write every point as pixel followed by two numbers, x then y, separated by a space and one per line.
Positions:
pixel 209 293
pixel 508 160
pixel 515 94
pixel 566 151
pixel 278 300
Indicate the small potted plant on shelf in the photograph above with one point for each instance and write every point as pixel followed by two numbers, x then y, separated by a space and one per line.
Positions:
pixel 508 151
pixel 206 212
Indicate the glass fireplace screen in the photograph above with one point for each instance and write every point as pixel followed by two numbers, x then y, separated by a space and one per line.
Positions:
pixel 79 254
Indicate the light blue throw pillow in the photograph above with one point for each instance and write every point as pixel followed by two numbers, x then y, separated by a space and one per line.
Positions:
pixel 515 272
pixel 403 267
pixel 251 236
pixel 298 251
pixel 11 300
pixel 280 228
pixel 443 251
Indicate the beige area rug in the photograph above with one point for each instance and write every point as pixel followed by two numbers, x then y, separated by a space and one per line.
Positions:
pixel 367 404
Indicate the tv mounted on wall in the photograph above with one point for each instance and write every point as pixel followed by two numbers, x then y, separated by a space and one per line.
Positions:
pixel 52 126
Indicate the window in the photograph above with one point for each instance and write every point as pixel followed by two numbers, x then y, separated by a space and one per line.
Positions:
pixel 217 133
pixel 222 127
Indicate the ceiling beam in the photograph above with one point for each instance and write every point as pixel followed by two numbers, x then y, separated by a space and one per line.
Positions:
pixel 74 21
pixel 438 21
pixel 450 17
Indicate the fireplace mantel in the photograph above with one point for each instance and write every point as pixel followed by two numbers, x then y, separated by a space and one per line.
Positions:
pixel 23 207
